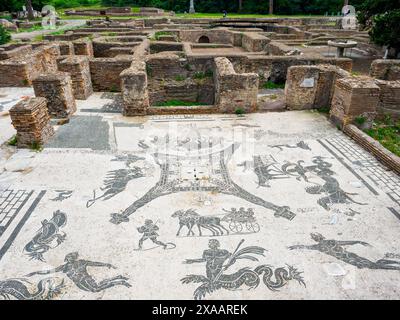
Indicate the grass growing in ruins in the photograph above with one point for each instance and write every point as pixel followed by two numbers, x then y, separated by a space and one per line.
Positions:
pixel 324 110
pixel 36 146
pixel 178 103
pixel 387 132
pixel 273 85
pixel 202 75
pixel 239 111
pixel 158 34
pixel 180 78
pixel 13 141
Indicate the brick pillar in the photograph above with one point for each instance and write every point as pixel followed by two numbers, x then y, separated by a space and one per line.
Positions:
pixel 83 47
pixel 389 99
pixel 78 68
pixel 354 97
pixel 134 89
pixel 234 90
pixel 32 122
pixel 57 89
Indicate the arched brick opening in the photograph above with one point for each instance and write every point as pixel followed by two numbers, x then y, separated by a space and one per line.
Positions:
pixel 204 39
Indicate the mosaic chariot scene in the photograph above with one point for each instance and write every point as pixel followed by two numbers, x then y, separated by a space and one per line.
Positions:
pixel 152 154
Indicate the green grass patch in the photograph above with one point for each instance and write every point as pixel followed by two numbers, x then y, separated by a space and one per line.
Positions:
pixel 36 146
pixel 13 141
pixel 273 85
pixel 178 103
pixel 324 110
pixel 180 78
pixel 387 132
pixel 158 34
pixel 239 111
pixel 202 75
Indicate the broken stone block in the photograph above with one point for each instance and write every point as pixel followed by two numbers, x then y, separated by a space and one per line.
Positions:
pixel 78 68
pixel 57 89
pixel 134 89
pixel 311 87
pixel 354 97
pixel 32 122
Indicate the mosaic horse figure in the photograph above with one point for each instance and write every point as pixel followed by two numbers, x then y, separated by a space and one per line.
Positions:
pixel 191 218
pixel 17 289
pixel 44 238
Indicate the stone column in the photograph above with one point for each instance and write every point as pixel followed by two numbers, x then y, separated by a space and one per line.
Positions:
pixel 354 97
pixel 134 89
pixel 32 122
pixel 57 89
pixel 191 8
pixel 78 68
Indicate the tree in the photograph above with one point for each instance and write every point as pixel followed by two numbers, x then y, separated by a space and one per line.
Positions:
pixel 382 19
pixel 240 5
pixel 386 31
pixel 271 6
pixel 4 35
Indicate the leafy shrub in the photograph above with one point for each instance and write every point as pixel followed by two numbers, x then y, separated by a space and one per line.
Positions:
pixel 4 35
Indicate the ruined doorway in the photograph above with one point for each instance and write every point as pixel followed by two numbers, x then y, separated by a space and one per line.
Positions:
pixel 204 39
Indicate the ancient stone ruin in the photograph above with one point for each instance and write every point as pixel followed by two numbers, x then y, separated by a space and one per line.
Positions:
pixel 206 65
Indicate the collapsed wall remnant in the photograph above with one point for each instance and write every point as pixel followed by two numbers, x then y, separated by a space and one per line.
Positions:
pixel 78 68
pixel 354 97
pixel 134 89
pixel 32 122
pixel 385 69
pixel 389 99
pixel 83 47
pixel 57 89
pixel 234 90
pixel 311 87
pixel 20 71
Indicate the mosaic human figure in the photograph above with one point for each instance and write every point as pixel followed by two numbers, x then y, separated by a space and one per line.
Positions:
pixel 76 270
pixel 336 249
pixel 149 230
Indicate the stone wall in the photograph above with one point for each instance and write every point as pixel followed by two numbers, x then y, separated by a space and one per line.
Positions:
pixel 254 42
pixel 215 35
pixel 311 87
pixel 32 122
pixel 15 52
pixel 172 77
pixel 134 89
pixel 57 89
pixel 389 99
pixel 79 70
pixel 105 72
pixel 385 69
pixel 20 71
pixel 234 91
pixel 161 46
pixel 275 68
pixel 83 47
pixel 354 97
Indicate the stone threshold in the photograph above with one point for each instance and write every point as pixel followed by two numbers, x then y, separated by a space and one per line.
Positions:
pixel 154 110
pixel 368 143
